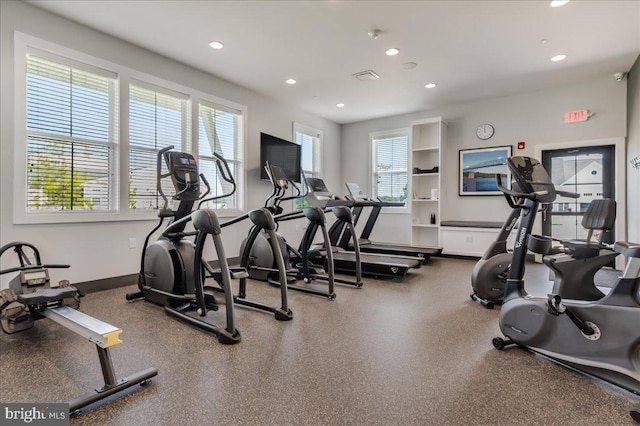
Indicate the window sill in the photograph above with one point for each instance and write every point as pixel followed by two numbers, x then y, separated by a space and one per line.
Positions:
pixel 95 217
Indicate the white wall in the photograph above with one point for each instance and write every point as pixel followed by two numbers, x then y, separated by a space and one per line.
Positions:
pixel 100 250
pixel 536 118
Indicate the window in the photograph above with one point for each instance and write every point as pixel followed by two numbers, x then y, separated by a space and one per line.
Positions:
pixel 219 131
pixel 157 119
pixel 309 140
pixel 70 139
pixel 390 165
pixel 89 131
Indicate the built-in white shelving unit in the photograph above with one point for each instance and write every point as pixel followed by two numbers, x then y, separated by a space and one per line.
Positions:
pixel 427 137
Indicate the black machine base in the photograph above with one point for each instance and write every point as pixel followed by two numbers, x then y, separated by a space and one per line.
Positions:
pixel 141 378
pixel 489 304
pixel 373 265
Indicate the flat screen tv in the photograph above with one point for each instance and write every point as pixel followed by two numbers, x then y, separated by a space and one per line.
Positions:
pixel 282 153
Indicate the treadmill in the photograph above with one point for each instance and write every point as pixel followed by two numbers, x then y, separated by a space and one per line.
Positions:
pixel 360 202
pixel 373 265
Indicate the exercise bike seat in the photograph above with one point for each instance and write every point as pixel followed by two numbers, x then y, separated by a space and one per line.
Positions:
pixel 600 216
pixel 47 295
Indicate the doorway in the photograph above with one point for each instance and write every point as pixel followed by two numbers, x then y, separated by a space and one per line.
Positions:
pixel 587 171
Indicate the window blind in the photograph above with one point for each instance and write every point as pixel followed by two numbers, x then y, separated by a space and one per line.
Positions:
pixel 156 119
pixel 391 162
pixel 219 132
pixel 70 136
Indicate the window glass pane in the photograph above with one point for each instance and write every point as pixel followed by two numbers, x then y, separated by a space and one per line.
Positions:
pixel 219 132
pixel 391 165
pixel 310 163
pixel 155 122
pixel 67 176
pixel 307 144
pixel 69 146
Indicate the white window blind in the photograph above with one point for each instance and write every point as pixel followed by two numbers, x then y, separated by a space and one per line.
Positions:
pixel 70 135
pixel 219 131
pixel 157 119
pixel 391 162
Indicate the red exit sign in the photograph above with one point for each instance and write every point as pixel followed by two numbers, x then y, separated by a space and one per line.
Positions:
pixel 577 116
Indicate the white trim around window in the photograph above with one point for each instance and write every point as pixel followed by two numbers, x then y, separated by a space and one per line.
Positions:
pixel 120 138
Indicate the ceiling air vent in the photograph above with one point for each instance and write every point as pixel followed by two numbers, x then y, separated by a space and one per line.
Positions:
pixel 366 75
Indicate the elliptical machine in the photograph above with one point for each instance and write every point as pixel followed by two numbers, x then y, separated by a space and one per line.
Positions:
pixel 257 251
pixel 171 268
pixel 598 337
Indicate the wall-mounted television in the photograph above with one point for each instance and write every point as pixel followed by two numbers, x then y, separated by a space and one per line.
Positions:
pixel 282 153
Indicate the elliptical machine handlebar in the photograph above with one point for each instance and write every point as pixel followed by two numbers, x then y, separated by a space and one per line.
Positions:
pixel 160 176
pixel 227 176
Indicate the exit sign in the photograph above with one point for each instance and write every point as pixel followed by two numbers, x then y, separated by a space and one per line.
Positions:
pixel 576 116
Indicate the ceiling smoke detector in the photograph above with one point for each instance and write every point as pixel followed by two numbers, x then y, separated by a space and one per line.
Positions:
pixel 374 33
pixel 366 75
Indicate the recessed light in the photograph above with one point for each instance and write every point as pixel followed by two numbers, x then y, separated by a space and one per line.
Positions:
pixel 430 85
pixel 290 81
pixel 216 45
pixel 559 58
pixel 392 52
pixel 340 105
pixel 558 3
pixel 409 65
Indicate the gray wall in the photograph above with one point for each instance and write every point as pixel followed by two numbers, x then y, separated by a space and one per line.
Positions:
pixel 100 250
pixel 536 118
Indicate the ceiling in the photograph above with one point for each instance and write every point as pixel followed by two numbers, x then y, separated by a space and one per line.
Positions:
pixel 473 50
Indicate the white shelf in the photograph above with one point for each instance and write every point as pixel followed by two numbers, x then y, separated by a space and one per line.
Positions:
pixel 427 138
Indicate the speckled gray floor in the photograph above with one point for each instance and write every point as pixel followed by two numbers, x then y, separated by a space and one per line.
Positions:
pixel 411 352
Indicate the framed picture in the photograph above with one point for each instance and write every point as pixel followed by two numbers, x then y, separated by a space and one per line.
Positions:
pixel 478 169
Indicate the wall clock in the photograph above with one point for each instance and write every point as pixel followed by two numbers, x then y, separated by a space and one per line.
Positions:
pixel 484 131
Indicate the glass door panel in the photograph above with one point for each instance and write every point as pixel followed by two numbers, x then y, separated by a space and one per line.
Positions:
pixel 584 171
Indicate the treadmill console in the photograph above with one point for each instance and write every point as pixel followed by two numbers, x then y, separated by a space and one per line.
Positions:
pixel 319 189
pixel 355 192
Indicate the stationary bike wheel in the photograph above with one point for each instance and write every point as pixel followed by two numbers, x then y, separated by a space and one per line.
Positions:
pixel 489 277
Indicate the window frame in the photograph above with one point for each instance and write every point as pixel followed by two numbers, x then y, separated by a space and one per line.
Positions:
pixel 23 43
pixel 111 144
pixel 373 172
